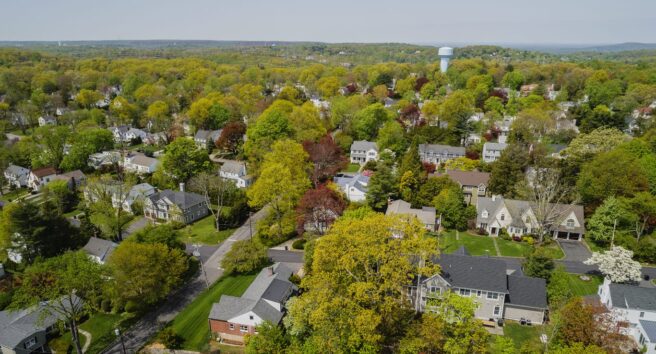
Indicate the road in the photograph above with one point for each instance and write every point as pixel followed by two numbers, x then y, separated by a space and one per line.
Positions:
pixel 139 334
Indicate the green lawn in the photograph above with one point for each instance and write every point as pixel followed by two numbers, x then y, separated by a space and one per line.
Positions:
pixel 524 336
pixel 203 232
pixel 100 325
pixel 553 250
pixel 12 195
pixel 353 167
pixel 191 324
pixel 513 248
pixel 476 245
pixel 581 287
pixel 593 246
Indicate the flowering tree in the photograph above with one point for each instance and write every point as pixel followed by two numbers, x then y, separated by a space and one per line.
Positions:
pixel 617 264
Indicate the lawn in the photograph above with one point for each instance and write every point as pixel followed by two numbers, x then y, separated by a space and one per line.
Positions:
pixel 593 246
pixel 203 232
pixel 513 248
pixel 12 195
pixel 581 287
pixel 191 324
pixel 553 250
pixel 100 325
pixel 523 336
pixel 353 167
pixel 476 245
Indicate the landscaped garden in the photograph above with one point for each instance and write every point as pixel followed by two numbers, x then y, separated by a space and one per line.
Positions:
pixel 478 245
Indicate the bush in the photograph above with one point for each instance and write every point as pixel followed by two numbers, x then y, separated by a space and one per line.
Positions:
pixel 131 306
pixel 528 239
pixel 245 256
pixel 169 338
pixel 5 298
pixel 106 305
pixel 503 234
pixel 299 244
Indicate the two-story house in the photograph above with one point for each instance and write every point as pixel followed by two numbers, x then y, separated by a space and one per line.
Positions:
pixel 126 134
pixel 473 183
pixel 234 317
pixel 425 215
pixel 354 186
pixel 486 281
pixel 235 171
pixel 40 177
pixel 437 154
pixel 104 159
pixel 178 206
pixel 504 127
pixel 363 151
pixel 518 217
pixel 492 151
pixel 17 176
pixel 139 163
pixel 205 139
pixel 634 308
pixel 47 120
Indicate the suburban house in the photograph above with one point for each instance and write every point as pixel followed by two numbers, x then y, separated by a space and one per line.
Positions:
pixel 504 128
pixel 25 331
pixel 234 317
pixel 103 159
pixel 436 154
pixel 99 250
pixel 354 187
pixel 236 172
pixel 363 151
pixel 40 177
pixel 206 138
pixel 47 120
pixel 155 138
pixel 492 151
pixel 518 217
pixel 120 195
pixel 179 206
pixel 499 292
pixel 425 215
pixel 634 309
pixel 17 176
pixel 74 178
pixel 473 183
pixel 139 163
pixel 125 134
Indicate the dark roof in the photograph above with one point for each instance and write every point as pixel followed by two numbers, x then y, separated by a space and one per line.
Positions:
pixel 633 297
pixel 480 273
pixel 44 171
pixel 650 329
pixel 467 178
pixel 462 251
pixel 99 248
pixel 183 200
pixel 527 291
pixel 230 307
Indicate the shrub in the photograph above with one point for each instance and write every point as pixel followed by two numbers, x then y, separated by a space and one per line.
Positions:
pixel 131 306
pixel 169 338
pixel 503 234
pixel 106 305
pixel 245 256
pixel 299 244
pixel 528 239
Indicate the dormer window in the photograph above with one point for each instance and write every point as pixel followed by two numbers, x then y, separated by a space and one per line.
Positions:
pixel 502 217
pixel 484 214
pixel 570 222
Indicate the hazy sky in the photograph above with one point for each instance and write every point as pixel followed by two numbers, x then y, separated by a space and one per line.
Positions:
pixel 437 21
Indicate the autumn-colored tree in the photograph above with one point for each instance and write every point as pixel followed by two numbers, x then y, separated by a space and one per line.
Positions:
pixel 318 209
pixel 231 137
pixel 327 158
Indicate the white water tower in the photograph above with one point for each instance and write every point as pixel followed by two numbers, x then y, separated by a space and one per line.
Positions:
pixel 445 54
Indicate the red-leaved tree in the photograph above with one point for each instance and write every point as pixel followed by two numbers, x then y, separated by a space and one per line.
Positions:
pixel 318 209
pixel 327 158
pixel 231 136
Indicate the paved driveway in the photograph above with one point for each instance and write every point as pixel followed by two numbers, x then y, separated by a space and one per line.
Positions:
pixel 575 251
pixel 135 226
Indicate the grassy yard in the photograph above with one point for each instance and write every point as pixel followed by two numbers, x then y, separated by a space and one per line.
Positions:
pixel 203 232
pixel 523 336
pixel 554 251
pixel 101 326
pixel 353 167
pixel 593 246
pixel 12 195
pixel 513 248
pixel 191 324
pixel 476 245
pixel 581 287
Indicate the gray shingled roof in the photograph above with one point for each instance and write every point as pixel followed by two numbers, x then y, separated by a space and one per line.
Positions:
pixel 230 307
pixel 426 215
pixel 99 248
pixel 480 273
pixel 260 286
pixel 363 145
pixel 17 170
pixel 183 200
pixel 439 149
pixel 232 166
pixel 527 291
pixel 650 329
pixel 495 146
pixel 633 297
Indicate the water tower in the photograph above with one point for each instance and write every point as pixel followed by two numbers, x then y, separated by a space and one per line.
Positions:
pixel 445 54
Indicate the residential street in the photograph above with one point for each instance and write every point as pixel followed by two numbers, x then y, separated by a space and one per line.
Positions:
pixel 152 322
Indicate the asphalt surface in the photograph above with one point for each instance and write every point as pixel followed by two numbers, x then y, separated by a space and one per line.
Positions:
pixel 285 256
pixel 139 334
pixel 575 250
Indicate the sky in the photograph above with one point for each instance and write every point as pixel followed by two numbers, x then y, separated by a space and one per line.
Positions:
pixel 410 21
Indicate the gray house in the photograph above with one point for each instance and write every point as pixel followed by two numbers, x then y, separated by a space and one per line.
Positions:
pixel 499 295
pixel 492 151
pixel 181 206
pixel 436 154
pixel 363 151
pixel 99 250
pixel 17 176
pixel 205 138
pixel 425 215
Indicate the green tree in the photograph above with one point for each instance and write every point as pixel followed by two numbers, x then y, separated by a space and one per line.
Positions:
pixel 538 264
pixel 245 256
pixel 513 80
pixel 456 109
pixel 559 291
pixel 608 219
pixel 88 98
pixel 382 186
pixel 430 189
pixel 165 234
pixel 270 339
pixel 392 136
pixel 183 160
pixel 273 124
pixel 52 140
pixel 450 206
pixel 508 170
pixel 61 195
pixel 369 120
pixel 601 116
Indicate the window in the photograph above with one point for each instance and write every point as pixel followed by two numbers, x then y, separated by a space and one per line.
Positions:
pixel 497 309
pixel 570 222
pixel 481 189
pixel 465 292
pixel 642 314
pixel 484 214
pixel 231 326
pixel 30 343
pixel 243 328
pixel 250 317
pixel 492 296
pixel 502 217
pixel 479 293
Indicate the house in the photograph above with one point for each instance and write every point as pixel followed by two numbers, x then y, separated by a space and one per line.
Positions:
pixel 634 309
pixel 17 176
pixel 119 132
pixel 425 215
pixel 47 120
pixel 205 139
pixel 473 183
pixel 40 177
pixel 99 250
pixel 138 193
pixel 499 293
pixel 354 187
pixel 234 317
pixel 472 139
pixel 74 178
pixel 139 163
pixel 236 172
pixel 518 217
pixel 504 127
pixel 155 138
pixel 121 197
pixel 363 151
pixel 125 134
pixel 178 206
pixel 25 331
pixel 104 159
pixel 436 154
pixel 60 111
pixel 492 151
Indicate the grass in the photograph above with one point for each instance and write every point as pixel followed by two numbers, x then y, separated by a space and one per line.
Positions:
pixel 513 248
pixel 191 324
pixel 553 250
pixel 593 246
pixel 353 167
pixel 203 232
pixel 100 325
pixel 582 287
pixel 12 195
pixel 476 245
pixel 523 336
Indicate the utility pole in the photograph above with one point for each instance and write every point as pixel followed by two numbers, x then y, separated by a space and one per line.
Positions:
pixel 250 224
pixel 612 239
pixel 196 254
pixel 120 336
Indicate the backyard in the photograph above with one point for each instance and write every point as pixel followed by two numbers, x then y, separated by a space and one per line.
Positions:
pixel 101 327
pixel 524 337
pixel 582 287
pixel 204 232
pixel 191 324
pixel 353 168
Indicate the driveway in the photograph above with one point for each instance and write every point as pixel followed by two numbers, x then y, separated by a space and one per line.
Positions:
pixel 285 256
pixel 575 251
pixel 135 226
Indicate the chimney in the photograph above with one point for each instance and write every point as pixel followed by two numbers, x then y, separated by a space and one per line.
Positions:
pixel 182 187
pixel 270 269
pixel 494 197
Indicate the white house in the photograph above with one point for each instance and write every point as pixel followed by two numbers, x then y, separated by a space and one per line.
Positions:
pixel 634 309
pixel 47 120
pixel 139 163
pixel 236 172
pixel 363 151
pixel 354 187
pixel 17 176
pixel 436 154
pixel 99 250
pixel 492 151
pixel 425 215
pixel 40 177
pixel 504 128
pixel 125 134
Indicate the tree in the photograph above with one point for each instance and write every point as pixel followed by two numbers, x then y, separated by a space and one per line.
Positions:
pixel 531 125
pixel 245 256
pixel 85 143
pixel 158 116
pixel 461 164
pixel 144 273
pixel 608 219
pixel 509 170
pixel 273 124
pixel 208 113
pixel 67 286
pixel 327 158
pixel 214 189
pixel 270 339
pixel 52 139
pixel 231 137
pixel 617 264
pixel 369 120
pixel 183 160
pixel 513 80
pixel 450 206
pixel 105 198
pixel 582 324
pixel 382 186
pixel 319 208
pixel 354 299
pixel 307 123
pixel 601 117
pixel 538 264
pixel 88 98
pixel 164 234
pixel 559 291
pixel 61 195
pixel 586 146
pixel 456 109
pixel 643 207
pixel 391 136
pixel 503 345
